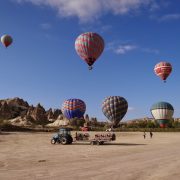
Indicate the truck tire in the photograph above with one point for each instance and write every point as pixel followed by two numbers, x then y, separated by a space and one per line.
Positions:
pixel 53 141
pixel 92 142
pixel 98 143
pixel 69 140
pixel 101 142
pixel 64 140
pixel 113 137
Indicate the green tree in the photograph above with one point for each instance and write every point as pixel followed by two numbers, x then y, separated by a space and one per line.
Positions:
pixel 150 124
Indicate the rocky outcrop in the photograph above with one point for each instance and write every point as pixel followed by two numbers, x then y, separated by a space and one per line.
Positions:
pixel 60 121
pixel 11 108
pixel 16 102
pixel 37 114
pixel 49 114
pixel 20 121
pixel 56 113
pixel 53 115
pixel 18 111
pixel 5 111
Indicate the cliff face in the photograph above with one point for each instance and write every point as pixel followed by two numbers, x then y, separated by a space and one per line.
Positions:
pixel 37 114
pixel 17 108
pixel 11 108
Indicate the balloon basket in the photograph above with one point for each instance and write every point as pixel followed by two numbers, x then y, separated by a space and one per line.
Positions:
pixel 90 67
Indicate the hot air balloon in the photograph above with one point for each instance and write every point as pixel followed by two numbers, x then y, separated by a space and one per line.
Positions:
pixel 6 40
pixel 162 112
pixel 89 46
pixel 73 108
pixel 114 108
pixel 163 70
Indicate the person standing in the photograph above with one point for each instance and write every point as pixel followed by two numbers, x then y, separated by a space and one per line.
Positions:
pixel 151 134
pixel 144 135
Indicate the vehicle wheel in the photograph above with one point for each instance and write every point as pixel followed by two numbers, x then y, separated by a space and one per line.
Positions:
pixel 64 141
pixel 101 142
pixel 53 141
pixel 58 141
pixel 69 140
pixel 113 137
pixel 92 142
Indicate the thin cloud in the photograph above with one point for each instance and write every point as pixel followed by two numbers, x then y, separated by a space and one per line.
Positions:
pixel 123 49
pixel 155 6
pixel 120 48
pixel 169 17
pixel 90 10
pixel 98 27
pixel 131 108
pixel 105 28
pixel 149 50
pixel 46 26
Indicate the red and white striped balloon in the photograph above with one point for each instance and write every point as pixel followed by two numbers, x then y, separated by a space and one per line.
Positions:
pixel 163 70
pixel 89 46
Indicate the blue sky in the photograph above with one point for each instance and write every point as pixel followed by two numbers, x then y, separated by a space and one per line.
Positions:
pixel 42 65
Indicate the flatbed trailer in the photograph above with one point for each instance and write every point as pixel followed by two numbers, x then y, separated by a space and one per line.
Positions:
pixel 98 139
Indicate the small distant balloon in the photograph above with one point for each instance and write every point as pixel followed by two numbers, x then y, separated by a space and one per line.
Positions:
pixel 6 40
pixel 89 46
pixel 163 70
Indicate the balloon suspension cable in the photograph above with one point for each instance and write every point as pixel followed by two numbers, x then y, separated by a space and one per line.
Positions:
pixel 164 81
pixel 90 67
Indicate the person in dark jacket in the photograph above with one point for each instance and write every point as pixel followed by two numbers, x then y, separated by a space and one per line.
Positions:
pixel 151 134
pixel 144 134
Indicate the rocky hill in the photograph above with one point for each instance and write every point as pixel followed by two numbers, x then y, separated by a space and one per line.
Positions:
pixel 19 112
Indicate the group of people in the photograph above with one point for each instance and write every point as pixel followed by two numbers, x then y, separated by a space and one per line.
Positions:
pixel 150 133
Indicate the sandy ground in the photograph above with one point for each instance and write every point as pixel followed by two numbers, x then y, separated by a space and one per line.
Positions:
pixel 31 156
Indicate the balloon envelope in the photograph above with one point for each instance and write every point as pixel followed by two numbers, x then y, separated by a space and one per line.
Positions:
pixel 89 46
pixel 163 70
pixel 6 40
pixel 73 108
pixel 162 112
pixel 114 108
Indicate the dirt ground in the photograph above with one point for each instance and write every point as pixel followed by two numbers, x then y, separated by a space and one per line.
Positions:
pixel 31 156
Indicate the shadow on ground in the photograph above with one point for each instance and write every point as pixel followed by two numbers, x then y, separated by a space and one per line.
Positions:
pixel 110 144
pixel 6 133
pixel 125 144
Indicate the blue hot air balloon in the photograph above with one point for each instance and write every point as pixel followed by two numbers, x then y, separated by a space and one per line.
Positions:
pixel 73 108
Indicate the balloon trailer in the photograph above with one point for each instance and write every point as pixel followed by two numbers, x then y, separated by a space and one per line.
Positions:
pixel 64 137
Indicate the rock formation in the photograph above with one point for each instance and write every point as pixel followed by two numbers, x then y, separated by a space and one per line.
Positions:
pixel 17 111
pixel 11 108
